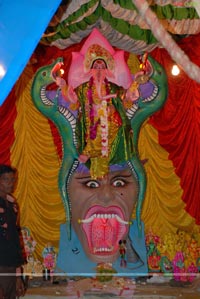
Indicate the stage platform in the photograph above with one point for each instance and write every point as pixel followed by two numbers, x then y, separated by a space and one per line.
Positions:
pixel 153 287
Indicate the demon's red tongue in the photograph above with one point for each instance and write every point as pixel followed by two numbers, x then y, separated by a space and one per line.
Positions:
pixel 103 233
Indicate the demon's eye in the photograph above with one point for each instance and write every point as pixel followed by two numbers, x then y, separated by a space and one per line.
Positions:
pixel 118 183
pixel 92 184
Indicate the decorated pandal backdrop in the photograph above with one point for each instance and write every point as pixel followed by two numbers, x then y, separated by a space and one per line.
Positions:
pixel 167 145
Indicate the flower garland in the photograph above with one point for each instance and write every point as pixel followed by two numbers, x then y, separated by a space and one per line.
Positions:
pixel 104 128
pixel 100 114
pixel 90 108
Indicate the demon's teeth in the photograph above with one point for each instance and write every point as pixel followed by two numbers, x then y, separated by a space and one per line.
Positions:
pixel 103 216
pixel 102 249
pixel 88 220
pixel 121 220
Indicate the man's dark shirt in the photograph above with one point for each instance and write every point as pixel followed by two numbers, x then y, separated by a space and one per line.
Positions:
pixel 10 249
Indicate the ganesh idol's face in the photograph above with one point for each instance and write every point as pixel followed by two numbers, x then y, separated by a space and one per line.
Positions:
pixel 99 71
pixel 99 64
pixel 101 212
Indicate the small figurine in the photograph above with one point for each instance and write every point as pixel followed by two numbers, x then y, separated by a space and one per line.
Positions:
pixel 122 251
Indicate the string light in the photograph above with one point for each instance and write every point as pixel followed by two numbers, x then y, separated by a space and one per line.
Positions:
pixel 175 70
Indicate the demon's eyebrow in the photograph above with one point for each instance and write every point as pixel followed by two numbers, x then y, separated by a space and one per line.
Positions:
pixel 119 175
pixel 84 177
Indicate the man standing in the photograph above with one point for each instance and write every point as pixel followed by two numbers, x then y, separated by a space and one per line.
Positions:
pixel 11 257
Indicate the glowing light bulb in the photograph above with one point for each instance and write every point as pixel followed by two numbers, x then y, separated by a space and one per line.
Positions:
pixel 62 72
pixel 175 70
pixel 2 71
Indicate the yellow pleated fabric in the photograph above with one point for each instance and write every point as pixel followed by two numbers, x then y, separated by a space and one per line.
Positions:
pixel 34 154
pixel 163 209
